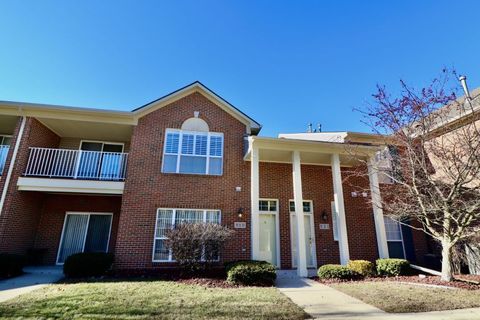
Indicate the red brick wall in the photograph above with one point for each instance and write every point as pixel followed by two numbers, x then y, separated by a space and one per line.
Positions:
pixel 147 189
pixel 21 211
pixel 53 215
pixel 276 182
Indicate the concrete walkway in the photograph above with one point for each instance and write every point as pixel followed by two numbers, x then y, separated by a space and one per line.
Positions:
pixel 33 278
pixel 324 302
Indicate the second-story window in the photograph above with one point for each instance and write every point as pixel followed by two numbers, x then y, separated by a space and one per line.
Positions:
pixel 192 152
pixel 5 140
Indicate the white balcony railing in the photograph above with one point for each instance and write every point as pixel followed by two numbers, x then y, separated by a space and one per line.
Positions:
pixel 3 156
pixel 76 164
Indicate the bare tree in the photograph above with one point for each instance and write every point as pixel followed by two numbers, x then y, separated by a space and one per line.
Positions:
pixel 435 168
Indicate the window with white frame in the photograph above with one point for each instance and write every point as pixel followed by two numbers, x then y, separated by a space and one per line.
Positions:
pixel 5 140
pixel 307 206
pixel 334 221
pixel 167 219
pixel 393 230
pixel 267 205
pixel 192 152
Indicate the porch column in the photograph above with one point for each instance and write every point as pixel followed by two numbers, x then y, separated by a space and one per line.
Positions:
pixel 254 196
pixel 340 209
pixel 298 199
pixel 377 209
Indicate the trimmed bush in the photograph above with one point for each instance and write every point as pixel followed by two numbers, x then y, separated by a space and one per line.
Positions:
pixel 197 246
pixel 251 273
pixel 392 267
pixel 11 265
pixel 362 267
pixel 336 271
pixel 88 264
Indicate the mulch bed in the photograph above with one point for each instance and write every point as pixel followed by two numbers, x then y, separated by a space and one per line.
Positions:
pixel 428 280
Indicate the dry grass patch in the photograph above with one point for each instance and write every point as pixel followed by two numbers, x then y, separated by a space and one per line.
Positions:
pixel 398 297
pixel 150 300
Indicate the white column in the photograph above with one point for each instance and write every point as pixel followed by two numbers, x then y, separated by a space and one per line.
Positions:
pixel 298 199
pixel 377 209
pixel 340 208
pixel 254 196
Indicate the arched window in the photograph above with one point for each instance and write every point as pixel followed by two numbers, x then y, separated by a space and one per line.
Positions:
pixel 195 124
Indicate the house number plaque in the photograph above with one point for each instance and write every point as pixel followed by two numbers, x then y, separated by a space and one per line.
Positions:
pixel 239 225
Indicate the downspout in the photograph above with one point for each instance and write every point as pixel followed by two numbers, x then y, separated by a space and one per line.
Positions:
pixel 12 163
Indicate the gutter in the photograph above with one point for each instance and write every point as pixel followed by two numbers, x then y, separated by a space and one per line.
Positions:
pixel 12 163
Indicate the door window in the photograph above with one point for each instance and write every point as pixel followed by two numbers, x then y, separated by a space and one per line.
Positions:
pixel 100 160
pixel 84 232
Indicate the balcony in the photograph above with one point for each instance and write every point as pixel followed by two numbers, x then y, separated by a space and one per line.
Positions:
pixel 74 171
pixel 3 156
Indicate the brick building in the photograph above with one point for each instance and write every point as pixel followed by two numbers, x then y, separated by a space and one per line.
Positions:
pixel 75 179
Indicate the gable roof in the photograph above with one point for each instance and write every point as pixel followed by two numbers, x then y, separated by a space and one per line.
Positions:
pixel 124 117
pixel 197 86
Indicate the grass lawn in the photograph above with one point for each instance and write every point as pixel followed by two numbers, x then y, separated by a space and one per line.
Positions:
pixel 398 297
pixel 150 300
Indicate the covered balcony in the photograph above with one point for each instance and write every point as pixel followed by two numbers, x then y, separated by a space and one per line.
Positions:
pixel 76 156
pixel 7 126
pixel 3 156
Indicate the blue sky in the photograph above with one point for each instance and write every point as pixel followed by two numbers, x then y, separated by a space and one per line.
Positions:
pixel 283 63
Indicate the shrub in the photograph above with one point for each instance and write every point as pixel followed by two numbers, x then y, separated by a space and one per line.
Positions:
pixel 197 245
pixel 251 273
pixel 362 267
pixel 336 271
pixel 11 265
pixel 88 264
pixel 392 267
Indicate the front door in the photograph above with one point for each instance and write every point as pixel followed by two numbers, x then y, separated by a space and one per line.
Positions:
pixel 84 232
pixel 309 233
pixel 268 241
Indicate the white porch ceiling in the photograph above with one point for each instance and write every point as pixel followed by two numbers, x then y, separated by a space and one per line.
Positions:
pixel 88 130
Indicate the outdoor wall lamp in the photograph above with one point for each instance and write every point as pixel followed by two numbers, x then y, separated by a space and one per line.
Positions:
pixel 324 215
pixel 240 212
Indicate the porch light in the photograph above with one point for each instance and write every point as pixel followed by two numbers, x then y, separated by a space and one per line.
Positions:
pixel 324 215
pixel 240 212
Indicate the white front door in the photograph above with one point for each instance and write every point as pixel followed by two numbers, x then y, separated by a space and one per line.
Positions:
pixel 268 241
pixel 309 234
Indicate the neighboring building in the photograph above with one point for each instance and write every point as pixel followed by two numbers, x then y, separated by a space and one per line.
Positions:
pixel 77 179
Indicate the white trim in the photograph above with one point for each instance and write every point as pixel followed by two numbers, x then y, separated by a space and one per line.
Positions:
pixel 12 163
pixel 277 226
pixel 340 209
pixel 377 209
pixel 254 201
pixel 298 199
pixel 86 232
pixel 174 213
pixel 207 93
pixel 312 227
pixel 70 185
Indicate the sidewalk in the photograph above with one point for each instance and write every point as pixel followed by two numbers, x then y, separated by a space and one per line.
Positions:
pixel 324 302
pixel 34 278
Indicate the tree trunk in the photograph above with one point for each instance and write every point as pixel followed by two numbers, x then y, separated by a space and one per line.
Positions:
pixel 447 274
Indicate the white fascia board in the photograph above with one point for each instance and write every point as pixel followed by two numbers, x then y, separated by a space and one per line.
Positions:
pixel 338 137
pixel 70 186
